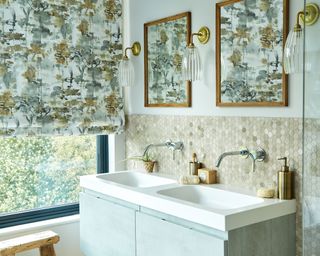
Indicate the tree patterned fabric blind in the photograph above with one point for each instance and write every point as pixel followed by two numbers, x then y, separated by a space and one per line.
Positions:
pixel 58 65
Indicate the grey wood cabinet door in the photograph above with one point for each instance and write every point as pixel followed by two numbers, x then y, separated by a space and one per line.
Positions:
pixel 157 237
pixel 106 228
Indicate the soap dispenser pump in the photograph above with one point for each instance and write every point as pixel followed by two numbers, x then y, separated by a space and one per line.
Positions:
pixel 285 181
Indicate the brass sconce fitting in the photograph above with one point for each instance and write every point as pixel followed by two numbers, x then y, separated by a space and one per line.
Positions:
pixel 126 69
pixel 135 49
pixel 309 17
pixel 203 36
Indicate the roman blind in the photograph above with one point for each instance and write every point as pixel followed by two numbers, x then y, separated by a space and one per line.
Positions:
pixel 58 65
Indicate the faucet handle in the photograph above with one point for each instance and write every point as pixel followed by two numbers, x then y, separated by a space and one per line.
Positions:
pixel 178 146
pixel 259 154
pixel 174 145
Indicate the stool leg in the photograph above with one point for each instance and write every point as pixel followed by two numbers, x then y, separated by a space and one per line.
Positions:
pixel 47 250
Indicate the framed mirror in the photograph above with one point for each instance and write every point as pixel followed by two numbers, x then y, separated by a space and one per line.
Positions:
pixel 250 37
pixel 165 41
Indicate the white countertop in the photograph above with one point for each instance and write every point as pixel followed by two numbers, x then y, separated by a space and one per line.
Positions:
pixel 220 219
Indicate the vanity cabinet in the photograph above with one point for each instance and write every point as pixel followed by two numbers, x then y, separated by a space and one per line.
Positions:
pixel 159 237
pixel 107 228
pixel 113 227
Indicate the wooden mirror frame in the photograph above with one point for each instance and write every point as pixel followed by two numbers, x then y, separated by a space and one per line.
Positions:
pixel 147 103
pixel 219 102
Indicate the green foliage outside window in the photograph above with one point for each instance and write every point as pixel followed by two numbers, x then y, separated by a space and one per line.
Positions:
pixel 43 171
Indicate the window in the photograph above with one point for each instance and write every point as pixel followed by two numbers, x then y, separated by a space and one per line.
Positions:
pixel 39 177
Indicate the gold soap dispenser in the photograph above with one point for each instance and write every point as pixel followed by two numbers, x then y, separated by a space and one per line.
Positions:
pixel 285 181
pixel 194 165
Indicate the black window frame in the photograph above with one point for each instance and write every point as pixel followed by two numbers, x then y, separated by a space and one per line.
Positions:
pixel 30 216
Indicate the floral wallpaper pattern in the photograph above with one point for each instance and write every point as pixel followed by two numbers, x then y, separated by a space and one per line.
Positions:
pixel 251 51
pixel 58 60
pixel 166 43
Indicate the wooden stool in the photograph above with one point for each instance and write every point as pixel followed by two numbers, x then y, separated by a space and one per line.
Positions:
pixel 43 240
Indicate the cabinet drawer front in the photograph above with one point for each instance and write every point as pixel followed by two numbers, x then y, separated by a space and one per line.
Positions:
pixel 106 229
pixel 158 237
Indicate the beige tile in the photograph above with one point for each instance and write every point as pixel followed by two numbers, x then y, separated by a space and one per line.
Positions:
pixel 211 136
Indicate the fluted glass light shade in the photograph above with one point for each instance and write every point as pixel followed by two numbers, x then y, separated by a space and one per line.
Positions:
pixel 126 72
pixel 293 52
pixel 191 64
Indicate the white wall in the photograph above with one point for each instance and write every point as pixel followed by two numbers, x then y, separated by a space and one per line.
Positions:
pixel 203 95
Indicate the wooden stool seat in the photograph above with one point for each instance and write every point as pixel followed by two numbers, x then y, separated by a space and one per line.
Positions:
pixel 43 240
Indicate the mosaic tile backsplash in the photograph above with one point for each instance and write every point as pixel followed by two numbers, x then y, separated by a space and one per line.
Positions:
pixel 208 137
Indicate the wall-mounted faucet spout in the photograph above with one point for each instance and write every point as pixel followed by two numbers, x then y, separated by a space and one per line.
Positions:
pixel 256 155
pixel 244 152
pixel 174 146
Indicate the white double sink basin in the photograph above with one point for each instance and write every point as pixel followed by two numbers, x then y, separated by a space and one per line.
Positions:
pixel 216 206
pixel 135 179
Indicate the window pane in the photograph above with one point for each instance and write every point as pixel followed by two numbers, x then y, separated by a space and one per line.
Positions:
pixel 43 171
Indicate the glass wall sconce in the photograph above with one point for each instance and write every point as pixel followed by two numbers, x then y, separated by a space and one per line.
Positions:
pixel 126 70
pixel 191 63
pixel 293 50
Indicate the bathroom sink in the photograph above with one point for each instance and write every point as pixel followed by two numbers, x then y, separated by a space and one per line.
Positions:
pixel 217 206
pixel 135 179
pixel 211 197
